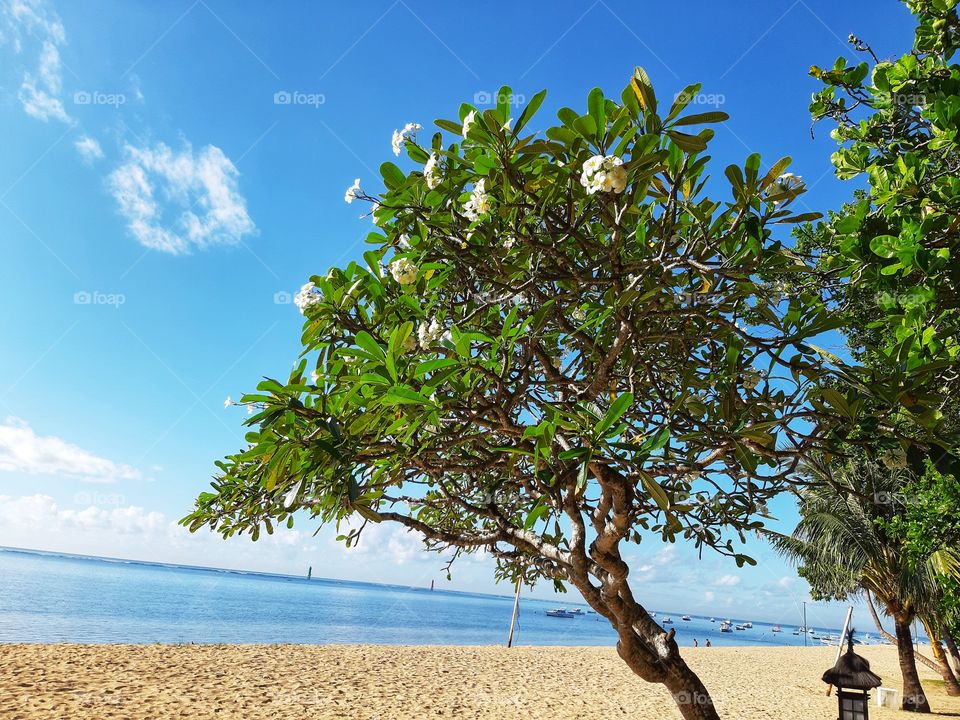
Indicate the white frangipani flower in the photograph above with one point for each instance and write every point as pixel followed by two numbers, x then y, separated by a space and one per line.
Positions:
pixel 350 195
pixel 428 334
pixel 308 295
pixel 404 241
pixel 400 135
pixel 431 173
pixel 785 183
pixel 468 121
pixel 479 202
pixel 409 343
pixel 604 174
pixel 228 402
pixel 403 271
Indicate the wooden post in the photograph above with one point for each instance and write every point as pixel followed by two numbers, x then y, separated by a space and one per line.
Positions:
pixel 513 620
pixel 843 637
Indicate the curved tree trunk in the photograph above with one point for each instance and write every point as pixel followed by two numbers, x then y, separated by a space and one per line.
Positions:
pixel 688 691
pixel 943 666
pixel 951 647
pixel 893 640
pixel 914 699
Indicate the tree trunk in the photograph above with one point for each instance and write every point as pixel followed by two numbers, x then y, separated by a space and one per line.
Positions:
pixel 943 666
pixel 914 699
pixel 952 648
pixel 893 640
pixel 688 691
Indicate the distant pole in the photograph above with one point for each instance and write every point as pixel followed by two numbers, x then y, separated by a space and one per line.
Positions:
pixel 309 572
pixel 843 635
pixel 513 620
pixel 805 623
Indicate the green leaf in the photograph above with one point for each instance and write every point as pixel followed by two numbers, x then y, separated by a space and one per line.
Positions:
pixel 365 340
pixel 702 118
pixel 404 395
pixel 595 103
pixel 529 111
pixel 655 490
pixel 535 514
pixel 616 410
pixel 393 176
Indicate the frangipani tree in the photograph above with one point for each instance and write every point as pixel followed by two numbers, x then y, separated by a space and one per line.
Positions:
pixel 558 346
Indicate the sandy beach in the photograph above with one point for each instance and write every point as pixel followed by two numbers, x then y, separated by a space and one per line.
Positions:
pixel 100 682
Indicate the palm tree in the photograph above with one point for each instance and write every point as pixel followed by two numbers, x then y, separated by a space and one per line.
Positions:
pixel 842 550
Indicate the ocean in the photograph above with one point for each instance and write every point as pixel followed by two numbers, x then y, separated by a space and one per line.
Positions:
pixel 49 597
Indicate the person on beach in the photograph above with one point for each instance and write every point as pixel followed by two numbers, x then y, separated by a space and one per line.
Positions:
pixel 709 644
pixel 695 643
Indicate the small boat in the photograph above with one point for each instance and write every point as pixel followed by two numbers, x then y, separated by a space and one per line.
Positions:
pixel 802 628
pixel 740 627
pixel 686 618
pixel 748 625
pixel 796 632
pixel 667 620
pixel 575 611
pixel 713 619
pixel 653 614
pixel 725 627
pixel 560 613
pixel 777 628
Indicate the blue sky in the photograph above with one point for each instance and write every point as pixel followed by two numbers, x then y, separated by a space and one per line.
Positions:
pixel 173 172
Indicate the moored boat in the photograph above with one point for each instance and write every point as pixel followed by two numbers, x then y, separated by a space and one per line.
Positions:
pixel 560 613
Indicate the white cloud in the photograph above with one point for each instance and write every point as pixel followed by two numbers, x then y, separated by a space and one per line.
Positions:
pixel 89 149
pixel 786 581
pixel 40 89
pixel 709 596
pixel 175 201
pixel 22 450
pixel 42 513
pixel 728 581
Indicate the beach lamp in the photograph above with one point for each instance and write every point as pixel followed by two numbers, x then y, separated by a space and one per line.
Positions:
pixel 853 680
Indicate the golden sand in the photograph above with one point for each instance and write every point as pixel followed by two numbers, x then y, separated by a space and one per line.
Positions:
pixel 249 682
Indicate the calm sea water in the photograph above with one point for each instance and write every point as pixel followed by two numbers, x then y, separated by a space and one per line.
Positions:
pixel 46 597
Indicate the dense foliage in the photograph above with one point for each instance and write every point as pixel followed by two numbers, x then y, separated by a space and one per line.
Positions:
pixel 558 343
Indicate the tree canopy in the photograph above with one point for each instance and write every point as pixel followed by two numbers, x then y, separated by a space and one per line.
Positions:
pixel 558 343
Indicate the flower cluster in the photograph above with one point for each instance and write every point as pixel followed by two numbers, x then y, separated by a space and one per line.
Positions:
pixel 403 271
pixel 309 295
pixel 351 194
pixel 428 334
pixel 479 202
pixel 431 173
pixel 604 174
pixel 400 135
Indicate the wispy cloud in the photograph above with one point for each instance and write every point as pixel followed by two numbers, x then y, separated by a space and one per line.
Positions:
pixel 89 149
pixel 22 450
pixel 28 23
pixel 178 201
